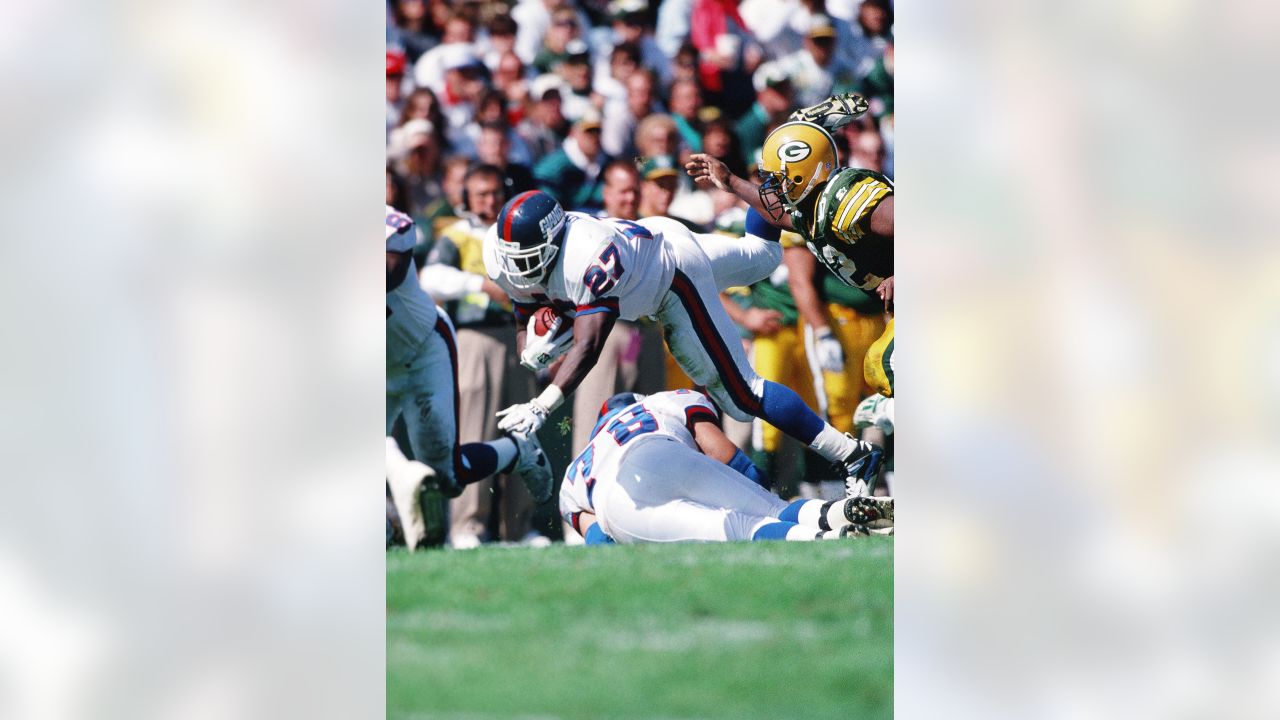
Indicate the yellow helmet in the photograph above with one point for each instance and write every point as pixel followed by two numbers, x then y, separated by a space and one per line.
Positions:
pixel 796 158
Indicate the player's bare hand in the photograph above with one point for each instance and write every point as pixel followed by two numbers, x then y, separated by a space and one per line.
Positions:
pixel 885 291
pixel 761 322
pixel 708 172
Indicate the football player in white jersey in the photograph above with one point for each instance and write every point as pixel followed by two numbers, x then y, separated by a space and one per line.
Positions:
pixel 601 270
pixel 422 369
pixel 658 469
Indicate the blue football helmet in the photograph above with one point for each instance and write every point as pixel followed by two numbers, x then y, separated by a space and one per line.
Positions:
pixel 530 229
pixel 613 406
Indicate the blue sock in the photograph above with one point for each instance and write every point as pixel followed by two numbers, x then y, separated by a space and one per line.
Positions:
pixel 479 461
pixel 783 409
pixel 773 531
pixel 792 512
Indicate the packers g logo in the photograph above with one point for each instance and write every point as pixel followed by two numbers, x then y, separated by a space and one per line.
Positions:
pixel 794 151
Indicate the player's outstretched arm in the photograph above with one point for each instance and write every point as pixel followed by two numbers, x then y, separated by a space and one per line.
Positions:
pixel 590 330
pixel 708 172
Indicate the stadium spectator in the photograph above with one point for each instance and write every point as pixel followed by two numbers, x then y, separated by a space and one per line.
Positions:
pixel 395 87
pixel 630 25
pixel 414 30
pixel 817 70
pixel 555 45
pixel 877 85
pixel 672 30
pixel 490 377
pixel 499 40
pixel 771 108
pixel 658 189
pixel 874 34
pixel 422 104
pixel 575 70
pixel 456 42
pixel 416 156
pixel 533 21
pixel 686 100
pixel 621 118
pixel 610 78
pixel 509 79
pixel 493 147
pixel 656 136
pixel 720 36
pixel 719 142
pixel 444 209
pixel 572 174
pixel 544 125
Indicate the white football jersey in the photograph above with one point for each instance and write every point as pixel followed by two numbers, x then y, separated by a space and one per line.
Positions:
pixel 411 315
pixel 661 415
pixel 603 263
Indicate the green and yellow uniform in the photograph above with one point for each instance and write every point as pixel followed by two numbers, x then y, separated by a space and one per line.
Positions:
pixel 838 231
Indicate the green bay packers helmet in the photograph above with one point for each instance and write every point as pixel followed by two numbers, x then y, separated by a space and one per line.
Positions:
pixel 796 158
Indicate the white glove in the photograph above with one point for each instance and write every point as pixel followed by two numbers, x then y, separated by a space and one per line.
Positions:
pixel 875 410
pixel 524 418
pixel 542 350
pixel 827 351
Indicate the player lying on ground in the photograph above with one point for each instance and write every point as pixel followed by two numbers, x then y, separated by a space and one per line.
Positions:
pixel 422 384
pixel 845 215
pixel 602 270
pixel 658 469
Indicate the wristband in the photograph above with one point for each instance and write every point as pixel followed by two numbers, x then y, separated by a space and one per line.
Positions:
pixel 551 398
pixel 748 469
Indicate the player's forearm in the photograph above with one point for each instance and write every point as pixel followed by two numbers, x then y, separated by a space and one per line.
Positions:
pixel 576 364
pixel 749 193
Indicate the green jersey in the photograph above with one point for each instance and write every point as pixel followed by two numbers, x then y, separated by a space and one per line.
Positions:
pixel 839 235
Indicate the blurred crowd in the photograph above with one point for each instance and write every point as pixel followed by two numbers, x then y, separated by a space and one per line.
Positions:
pixel 599 104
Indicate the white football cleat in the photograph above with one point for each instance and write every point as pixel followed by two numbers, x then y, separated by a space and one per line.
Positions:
pixel 406 481
pixel 533 466
pixel 873 512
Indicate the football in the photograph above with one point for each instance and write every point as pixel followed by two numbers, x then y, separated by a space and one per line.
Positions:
pixel 550 334
pixel 545 321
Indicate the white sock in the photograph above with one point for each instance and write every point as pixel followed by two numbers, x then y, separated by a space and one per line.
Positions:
pixel 801 533
pixel 833 444
pixel 507 452
pixel 810 513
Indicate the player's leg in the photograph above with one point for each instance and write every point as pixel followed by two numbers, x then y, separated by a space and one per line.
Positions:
pixel 706 502
pixel 735 261
pixel 704 341
pixel 872 512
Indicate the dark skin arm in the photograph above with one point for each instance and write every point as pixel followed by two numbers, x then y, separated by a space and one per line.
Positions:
pixel 882 218
pixel 589 334
pixel 708 172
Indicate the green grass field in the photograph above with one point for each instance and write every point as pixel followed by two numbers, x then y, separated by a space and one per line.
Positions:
pixel 740 630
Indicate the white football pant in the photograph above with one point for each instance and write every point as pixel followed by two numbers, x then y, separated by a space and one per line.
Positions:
pixel 666 492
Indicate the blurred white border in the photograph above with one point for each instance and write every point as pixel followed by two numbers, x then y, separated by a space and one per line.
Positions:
pixel 189 521
pixel 1090 292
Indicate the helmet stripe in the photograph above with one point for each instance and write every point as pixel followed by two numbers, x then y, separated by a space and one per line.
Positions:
pixel 510 212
